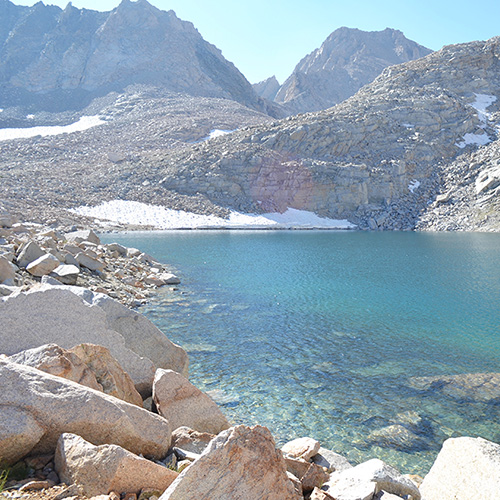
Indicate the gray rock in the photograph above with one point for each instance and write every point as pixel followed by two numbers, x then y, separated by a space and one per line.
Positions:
pixel 76 461
pixel 347 60
pixel 89 262
pixel 331 461
pixel 481 387
pixel 29 252
pixel 81 236
pixel 7 271
pixel 43 265
pixel 465 469
pixel 19 433
pixel 260 470
pixel 66 274
pixel 184 405
pixel 398 437
pixel 58 405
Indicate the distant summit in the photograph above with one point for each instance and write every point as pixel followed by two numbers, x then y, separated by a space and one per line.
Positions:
pixel 268 88
pixel 71 53
pixel 347 60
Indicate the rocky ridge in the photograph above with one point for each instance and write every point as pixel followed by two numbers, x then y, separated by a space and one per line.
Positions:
pixel 347 60
pixel 55 59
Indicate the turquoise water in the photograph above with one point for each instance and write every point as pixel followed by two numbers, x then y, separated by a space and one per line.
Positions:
pixel 319 333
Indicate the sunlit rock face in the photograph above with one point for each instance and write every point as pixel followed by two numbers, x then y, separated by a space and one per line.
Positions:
pixel 347 60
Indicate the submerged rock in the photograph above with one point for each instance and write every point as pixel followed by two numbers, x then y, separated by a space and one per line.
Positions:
pixel 480 387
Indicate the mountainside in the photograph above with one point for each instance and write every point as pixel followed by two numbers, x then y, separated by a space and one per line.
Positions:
pixel 347 60
pixel 422 139
pixel 55 58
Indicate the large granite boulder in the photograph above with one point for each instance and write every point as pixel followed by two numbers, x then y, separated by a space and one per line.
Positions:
pixel 56 315
pixel 114 380
pixel 241 462
pixel 465 469
pixel 50 405
pixel 43 266
pixel 140 335
pixel 98 470
pixel 51 358
pixel 183 404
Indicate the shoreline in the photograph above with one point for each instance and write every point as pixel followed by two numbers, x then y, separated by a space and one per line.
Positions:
pixel 113 256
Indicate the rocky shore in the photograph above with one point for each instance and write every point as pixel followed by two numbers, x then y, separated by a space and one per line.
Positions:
pixel 96 401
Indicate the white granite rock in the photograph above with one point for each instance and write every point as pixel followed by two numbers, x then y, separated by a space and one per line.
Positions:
pixel 43 266
pixel 66 274
pixel 58 405
pixel 466 469
pixel 367 479
pixel 183 404
pixel 84 235
pixel 240 463
pixel 304 448
pixel 28 253
pixel 98 470
pixel 89 262
pixel 56 315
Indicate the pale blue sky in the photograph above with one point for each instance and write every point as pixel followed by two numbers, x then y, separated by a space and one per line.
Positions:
pixel 266 37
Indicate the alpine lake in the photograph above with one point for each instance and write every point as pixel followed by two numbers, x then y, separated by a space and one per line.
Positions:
pixel 329 334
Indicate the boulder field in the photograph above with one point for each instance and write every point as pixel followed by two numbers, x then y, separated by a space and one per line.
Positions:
pixel 77 369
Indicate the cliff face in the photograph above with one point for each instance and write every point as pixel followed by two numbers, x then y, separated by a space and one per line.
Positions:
pixel 347 60
pixel 381 158
pixel 77 52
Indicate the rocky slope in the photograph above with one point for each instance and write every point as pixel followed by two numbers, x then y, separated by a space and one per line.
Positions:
pixel 57 59
pixel 381 158
pixel 347 60
pixel 42 176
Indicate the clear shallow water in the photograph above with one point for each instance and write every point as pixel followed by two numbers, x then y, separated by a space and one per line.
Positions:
pixel 319 333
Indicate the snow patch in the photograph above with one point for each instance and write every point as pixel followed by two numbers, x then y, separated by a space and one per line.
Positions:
pixel 216 133
pixel 408 125
pixel 475 139
pixel 84 123
pixel 481 104
pixel 133 212
pixel 413 185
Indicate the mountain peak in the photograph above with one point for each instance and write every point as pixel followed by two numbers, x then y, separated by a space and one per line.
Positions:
pixel 348 59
